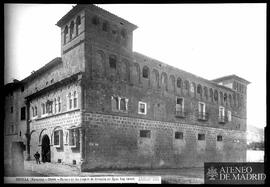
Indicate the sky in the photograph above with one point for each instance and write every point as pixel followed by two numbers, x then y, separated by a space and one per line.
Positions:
pixel 208 40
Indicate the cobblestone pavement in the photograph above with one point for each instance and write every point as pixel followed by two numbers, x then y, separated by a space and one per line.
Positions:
pixel 181 176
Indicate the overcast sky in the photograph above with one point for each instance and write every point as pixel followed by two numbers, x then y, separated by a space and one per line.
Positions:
pixel 208 40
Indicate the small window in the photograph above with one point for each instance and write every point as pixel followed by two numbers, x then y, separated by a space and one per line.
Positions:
pixel 95 20
pixel 178 135
pixel 22 89
pixel 142 108
pixel 112 61
pixel 201 107
pixel 219 138
pixel 186 85
pixel 49 105
pixel 123 33
pixel 145 72
pixel 23 113
pixel 201 136
pixel 75 99
pixel 145 133
pixel 11 109
pixel 221 111
pixel 57 137
pixel 199 89
pixel 59 104
pixel 105 26
pixel 43 108
pixel 73 137
pixel 179 104
pixel 70 101
pixel 123 104
pixel 115 103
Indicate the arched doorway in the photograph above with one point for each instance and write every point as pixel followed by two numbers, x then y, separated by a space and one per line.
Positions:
pixel 45 149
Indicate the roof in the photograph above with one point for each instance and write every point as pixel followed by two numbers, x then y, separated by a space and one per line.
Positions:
pixel 231 77
pixel 80 7
pixel 45 68
pixel 137 54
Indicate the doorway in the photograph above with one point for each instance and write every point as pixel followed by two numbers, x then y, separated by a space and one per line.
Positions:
pixel 45 149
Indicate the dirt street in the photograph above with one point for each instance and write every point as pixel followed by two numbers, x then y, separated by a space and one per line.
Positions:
pixel 180 176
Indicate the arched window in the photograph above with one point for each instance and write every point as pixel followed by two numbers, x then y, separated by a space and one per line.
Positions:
pixel 112 61
pixel 124 69
pixel 145 72
pixel 75 99
pixel 211 94
pixel 154 78
pixel 216 96
pixel 230 99
pixel 71 30
pixel 225 98
pixel 59 104
pixel 234 99
pixel 221 97
pixel 105 26
pixel 135 73
pixel 164 80
pixel 171 83
pixel 95 20
pixel 193 88
pixel 78 24
pixel 205 92
pixel 179 82
pixel 69 101
pixel 186 85
pixel 55 105
pixel 65 34
pixel 199 90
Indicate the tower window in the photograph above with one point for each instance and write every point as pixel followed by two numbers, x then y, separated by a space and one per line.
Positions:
pixel 78 24
pixel 65 34
pixel 71 30
pixel 112 61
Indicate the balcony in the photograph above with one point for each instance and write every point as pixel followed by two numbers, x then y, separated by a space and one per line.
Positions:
pixel 202 116
pixel 180 114
pixel 222 119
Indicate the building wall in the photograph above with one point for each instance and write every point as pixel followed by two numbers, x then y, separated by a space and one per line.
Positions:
pixel 114 142
pixel 63 120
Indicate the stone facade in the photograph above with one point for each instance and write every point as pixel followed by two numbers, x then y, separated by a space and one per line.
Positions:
pixel 122 109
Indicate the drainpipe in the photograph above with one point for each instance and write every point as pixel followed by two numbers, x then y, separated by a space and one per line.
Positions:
pixel 81 130
pixel 27 134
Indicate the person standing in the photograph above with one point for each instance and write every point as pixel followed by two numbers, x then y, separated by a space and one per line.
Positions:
pixel 37 157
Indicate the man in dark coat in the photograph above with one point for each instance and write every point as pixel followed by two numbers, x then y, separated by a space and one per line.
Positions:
pixel 37 156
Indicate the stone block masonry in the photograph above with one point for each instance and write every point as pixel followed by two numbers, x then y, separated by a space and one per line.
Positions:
pixel 114 142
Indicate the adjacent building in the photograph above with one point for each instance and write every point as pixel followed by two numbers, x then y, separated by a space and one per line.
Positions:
pixel 102 105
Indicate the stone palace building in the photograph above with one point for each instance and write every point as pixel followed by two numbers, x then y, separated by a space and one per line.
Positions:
pixel 102 105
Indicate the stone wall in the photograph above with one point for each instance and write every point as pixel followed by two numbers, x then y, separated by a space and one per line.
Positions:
pixel 115 142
